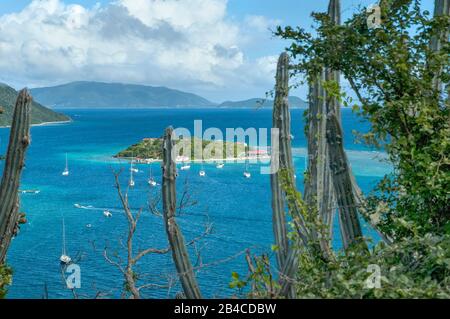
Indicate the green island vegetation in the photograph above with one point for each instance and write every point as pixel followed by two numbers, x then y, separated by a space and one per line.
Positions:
pixel 151 148
pixel 39 113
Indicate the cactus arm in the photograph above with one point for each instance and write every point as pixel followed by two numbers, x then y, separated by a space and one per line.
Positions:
pixel 281 121
pixel 176 240
pixel 9 198
pixel 351 231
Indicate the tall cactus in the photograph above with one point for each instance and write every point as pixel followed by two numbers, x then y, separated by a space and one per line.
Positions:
pixel 176 240
pixel 282 122
pixel 319 190
pixel 350 226
pixel 9 188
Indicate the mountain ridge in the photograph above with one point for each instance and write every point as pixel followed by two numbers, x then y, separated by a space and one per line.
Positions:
pixel 294 102
pixel 86 94
pixel 111 95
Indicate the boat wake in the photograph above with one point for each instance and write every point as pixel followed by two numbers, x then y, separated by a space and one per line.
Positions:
pixel 99 209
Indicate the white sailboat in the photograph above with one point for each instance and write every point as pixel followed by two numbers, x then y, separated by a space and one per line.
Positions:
pixel 185 167
pixel 151 180
pixel 220 165
pixel 107 213
pixel 131 183
pixel 202 172
pixel 247 174
pixel 65 259
pixel 66 170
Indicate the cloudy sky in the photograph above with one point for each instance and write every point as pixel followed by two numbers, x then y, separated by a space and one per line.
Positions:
pixel 222 50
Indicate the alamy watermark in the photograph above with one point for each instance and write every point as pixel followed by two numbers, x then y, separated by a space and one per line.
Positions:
pixel 73 280
pixel 374 279
pixel 239 145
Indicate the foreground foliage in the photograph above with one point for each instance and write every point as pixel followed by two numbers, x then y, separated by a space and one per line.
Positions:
pixel 5 279
pixel 393 70
pixel 398 72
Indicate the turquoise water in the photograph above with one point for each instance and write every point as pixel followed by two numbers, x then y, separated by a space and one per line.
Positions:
pixel 238 208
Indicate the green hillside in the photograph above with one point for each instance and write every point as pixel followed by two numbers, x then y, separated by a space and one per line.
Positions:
pixel 40 114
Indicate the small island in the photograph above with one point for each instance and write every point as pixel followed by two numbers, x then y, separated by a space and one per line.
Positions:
pixel 150 150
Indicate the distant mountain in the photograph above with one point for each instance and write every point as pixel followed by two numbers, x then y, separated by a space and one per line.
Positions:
pixel 111 95
pixel 294 102
pixel 39 113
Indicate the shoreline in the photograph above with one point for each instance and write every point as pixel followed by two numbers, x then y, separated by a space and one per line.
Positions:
pixel 220 160
pixel 43 124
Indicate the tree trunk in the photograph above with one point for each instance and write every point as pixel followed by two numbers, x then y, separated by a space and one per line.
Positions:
pixel 282 122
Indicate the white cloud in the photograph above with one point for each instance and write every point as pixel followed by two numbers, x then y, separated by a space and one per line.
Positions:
pixel 261 23
pixel 187 44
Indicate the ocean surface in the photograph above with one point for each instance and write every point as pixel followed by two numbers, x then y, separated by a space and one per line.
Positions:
pixel 239 209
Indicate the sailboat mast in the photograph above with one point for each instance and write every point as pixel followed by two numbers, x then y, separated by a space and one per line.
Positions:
pixel 64 237
pixel 131 170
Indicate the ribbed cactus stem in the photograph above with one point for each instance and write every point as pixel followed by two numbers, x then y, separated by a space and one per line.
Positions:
pixel 176 240
pixel 319 191
pixel 281 121
pixel 441 8
pixel 350 226
pixel 9 188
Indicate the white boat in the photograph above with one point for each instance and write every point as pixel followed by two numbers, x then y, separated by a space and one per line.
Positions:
pixel 202 172
pixel 185 167
pixel 131 183
pixel 107 213
pixel 64 259
pixel 32 191
pixel 77 205
pixel 66 170
pixel 151 181
pixel 246 172
pixel 89 226
pixel 220 165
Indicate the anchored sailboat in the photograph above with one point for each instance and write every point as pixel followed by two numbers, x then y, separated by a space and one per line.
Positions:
pixel 131 183
pixel 185 166
pixel 66 170
pixel 65 259
pixel 247 172
pixel 151 180
pixel 220 165
pixel 202 172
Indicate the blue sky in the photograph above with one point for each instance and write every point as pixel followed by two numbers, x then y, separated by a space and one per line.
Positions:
pixel 222 50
